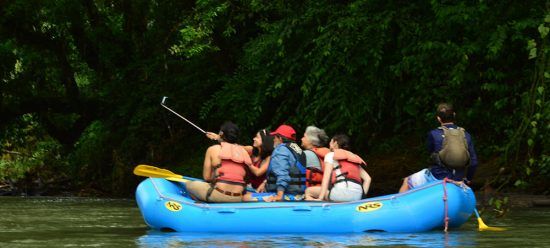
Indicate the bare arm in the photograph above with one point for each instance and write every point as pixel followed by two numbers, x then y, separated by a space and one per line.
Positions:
pixel 263 167
pixel 248 149
pixel 366 181
pixel 207 166
pixel 208 159
pixel 213 136
pixel 327 174
pixel 261 188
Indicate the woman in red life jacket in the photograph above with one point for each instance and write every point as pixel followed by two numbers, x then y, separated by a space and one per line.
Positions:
pixel 260 153
pixel 344 177
pixel 313 143
pixel 224 168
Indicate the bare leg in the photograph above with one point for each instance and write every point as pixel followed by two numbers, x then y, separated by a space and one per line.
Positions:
pixel 312 193
pixel 198 189
pixel 404 186
pixel 248 197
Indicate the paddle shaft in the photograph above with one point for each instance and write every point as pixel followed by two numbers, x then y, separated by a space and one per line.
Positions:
pixel 477 213
pixel 152 171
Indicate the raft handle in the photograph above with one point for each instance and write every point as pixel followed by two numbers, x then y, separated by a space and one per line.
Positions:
pixel 227 211
pixel 302 208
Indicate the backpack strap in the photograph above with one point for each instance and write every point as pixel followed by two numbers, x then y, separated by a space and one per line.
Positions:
pixel 457 127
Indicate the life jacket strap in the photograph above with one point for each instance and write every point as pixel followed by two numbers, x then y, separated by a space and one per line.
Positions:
pixel 209 193
pixel 346 180
pixel 296 183
pixel 309 180
pixel 296 174
pixel 343 174
pixel 216 167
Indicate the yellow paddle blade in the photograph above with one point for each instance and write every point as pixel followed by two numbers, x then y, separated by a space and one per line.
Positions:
pixel 151 171
pixel 483 227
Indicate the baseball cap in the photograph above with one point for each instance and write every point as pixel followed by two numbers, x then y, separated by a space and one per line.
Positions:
pixel 285 131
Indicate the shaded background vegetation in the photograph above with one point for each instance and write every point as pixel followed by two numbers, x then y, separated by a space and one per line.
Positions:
pixel 81 83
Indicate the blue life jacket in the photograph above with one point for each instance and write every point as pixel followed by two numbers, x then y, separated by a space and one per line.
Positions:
pixel 297 172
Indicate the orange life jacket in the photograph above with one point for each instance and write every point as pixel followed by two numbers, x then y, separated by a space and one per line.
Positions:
pixel 314 177
pixel 349 165
pixel 234 164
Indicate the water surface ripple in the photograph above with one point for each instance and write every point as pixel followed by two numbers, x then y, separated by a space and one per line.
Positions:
pixel 90 222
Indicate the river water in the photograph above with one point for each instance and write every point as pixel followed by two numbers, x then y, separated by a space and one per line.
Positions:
pixel 90 222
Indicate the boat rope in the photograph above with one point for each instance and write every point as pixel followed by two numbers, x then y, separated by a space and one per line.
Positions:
pixel 290 204
pixel 445 202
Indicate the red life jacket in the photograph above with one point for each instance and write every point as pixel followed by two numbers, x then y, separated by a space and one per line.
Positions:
pixel 254 180
pixel 235 161
pixel 251 178
pixel 314 177
pixel 349 165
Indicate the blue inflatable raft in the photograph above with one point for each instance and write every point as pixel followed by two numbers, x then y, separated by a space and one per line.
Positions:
pixel 165 205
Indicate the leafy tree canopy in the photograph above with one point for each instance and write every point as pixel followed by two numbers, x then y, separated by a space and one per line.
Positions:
pixel 81 81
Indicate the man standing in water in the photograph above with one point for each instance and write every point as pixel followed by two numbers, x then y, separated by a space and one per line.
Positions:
pixel 452 153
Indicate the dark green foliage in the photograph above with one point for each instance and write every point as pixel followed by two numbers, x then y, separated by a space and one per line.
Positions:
pixel 90 76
